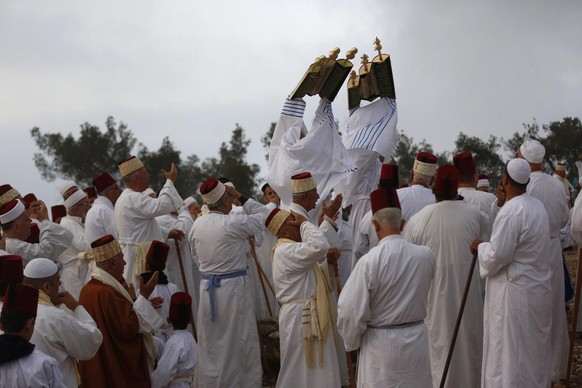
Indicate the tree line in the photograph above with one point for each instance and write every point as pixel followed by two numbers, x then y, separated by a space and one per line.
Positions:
pixel 95 151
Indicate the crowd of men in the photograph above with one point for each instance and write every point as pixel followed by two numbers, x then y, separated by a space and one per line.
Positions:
pixel 114 291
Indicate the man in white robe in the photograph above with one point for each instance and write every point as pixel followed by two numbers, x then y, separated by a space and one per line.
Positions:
pixel 227 331
pixel 382 307
pixel 448 228
pixel 518 299
pixel 54 239
pixel 136 212
pixel 551 193
pixel 65 337
pixel 418 195
pixel 100 219
pixel 468 179
pixel 21 365
pixel 73 262
pixel 308 358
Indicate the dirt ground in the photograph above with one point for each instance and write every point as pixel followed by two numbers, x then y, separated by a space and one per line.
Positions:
pixel 269 334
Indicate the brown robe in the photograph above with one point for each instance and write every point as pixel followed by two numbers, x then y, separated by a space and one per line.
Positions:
pixel 122 358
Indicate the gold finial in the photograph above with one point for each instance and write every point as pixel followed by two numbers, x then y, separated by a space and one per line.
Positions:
pixel 364 60
pixel 319 59
pixel 334 53
pixel 351 53
pixel 353 76
pixel 378 46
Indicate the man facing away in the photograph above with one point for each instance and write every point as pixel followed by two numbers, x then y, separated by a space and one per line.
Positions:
pixel 517 318
pixel 384 303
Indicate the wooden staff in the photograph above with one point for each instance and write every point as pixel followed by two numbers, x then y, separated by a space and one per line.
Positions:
pixel 574 318
pixel 185 286
pixel 262 273
pixel 254 254
pixel 351 374
pixel 458 323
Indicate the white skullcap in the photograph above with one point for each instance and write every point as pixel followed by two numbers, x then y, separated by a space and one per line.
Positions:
pixel 519 170
pixel 149 192
pixel 74 199
pixel 40 269
pixel 483 183
pixel 11 211
pixel 533 151
pixel 189 201
pixel 66 186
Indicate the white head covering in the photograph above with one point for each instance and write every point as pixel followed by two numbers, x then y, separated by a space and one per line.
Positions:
pixel 533 151
pixel 40 269
pixel 189 201
pixel 519 170
pixel 74 199
pixel 66 186
pixel 13 213
pixel 483 183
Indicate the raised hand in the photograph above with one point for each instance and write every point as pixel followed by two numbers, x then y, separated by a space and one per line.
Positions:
pixel 146 290
pixel 172 175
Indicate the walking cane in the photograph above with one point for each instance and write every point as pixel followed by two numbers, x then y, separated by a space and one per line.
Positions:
pixel 458 323
pixel 254 254
pixel 185 285
pixel 351 375
pixel 262 272
pixel 574 318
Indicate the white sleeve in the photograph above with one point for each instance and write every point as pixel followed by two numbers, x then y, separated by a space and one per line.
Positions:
pixel 149 319
pixel 168 365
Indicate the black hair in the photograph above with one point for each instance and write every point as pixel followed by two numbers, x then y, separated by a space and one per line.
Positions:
pixel 14 321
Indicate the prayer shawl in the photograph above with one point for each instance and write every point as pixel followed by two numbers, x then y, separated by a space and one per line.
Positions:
pixel 321 151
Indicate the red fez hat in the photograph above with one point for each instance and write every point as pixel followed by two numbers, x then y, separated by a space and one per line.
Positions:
pixel 301 175
pixel 464 163
pixel 103 182
pixel 446 181
pixel 7 193
pixel 5 188
pixel 102 241
pixel 34 236
pixel 158 253
pixel 180 307
pixel 21 298
pixel 384 197
pixel 483 176
pixel 28 199
pixel 426 157
pixel 10 269
pixel 208 185
pixel 58 211
pixel 90 191
pixel 389 176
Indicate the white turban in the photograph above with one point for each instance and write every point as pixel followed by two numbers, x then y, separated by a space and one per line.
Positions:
pixel 40 269
pixel 519 170
pixel 533 151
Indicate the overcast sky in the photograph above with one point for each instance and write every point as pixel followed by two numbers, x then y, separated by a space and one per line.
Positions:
pixel 191 70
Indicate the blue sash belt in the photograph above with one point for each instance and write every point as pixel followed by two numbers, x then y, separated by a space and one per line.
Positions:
pixel 214 282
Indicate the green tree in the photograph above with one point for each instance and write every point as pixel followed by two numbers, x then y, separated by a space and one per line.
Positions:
pixel 405 153
pixel 86 157
pixel 485 154
pixel 266 139
pixel 232 163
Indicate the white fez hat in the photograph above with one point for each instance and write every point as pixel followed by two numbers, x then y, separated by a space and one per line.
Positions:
pixel 189 201
pixel 11 211
pixel 129 166
pixel 532 151
pixel 483 182
pixel 212 190
pixel 65 187
pixel 302 183
pixel 519 170
pixel 40 269
pixel 75 198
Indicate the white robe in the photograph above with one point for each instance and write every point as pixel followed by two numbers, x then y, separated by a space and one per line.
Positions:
pixel 345 262
pixel 294 284
pixel 576 231
pixel 265 253
pixel 135 218
pixel 184 223
pixel 67 338
pixel 551 193
pixel 53 241
pixel 483 201
pixel 75 272
pixel 389 286
pixel 229 353
pixel 518 301
pixel 448 228
pixel 177 363
pixel 100 220
pixel 35 370
pixel 413 199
